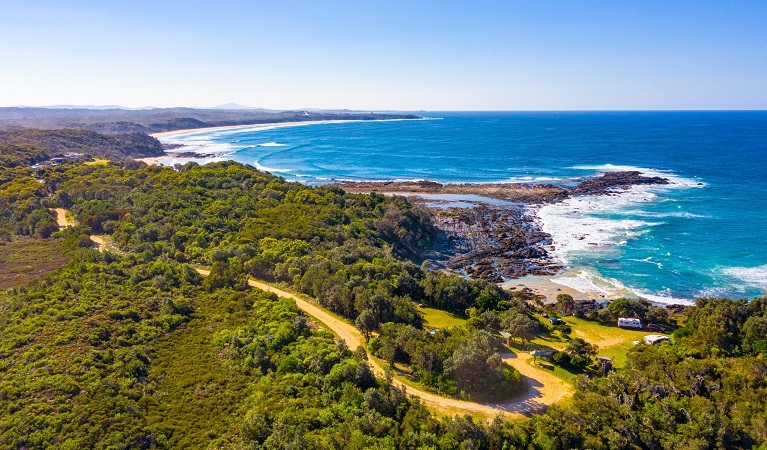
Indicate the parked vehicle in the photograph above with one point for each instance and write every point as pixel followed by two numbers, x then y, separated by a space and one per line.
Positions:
pixel 625 322
pixel 656 339
pixel 656 327
pixel 557 321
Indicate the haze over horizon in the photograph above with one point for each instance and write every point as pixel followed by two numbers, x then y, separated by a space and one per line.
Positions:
pixel 489 55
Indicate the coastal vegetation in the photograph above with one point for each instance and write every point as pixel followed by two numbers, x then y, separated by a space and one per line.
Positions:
pixel 25 259
pixel 345 250
pixel 153 120
pixel 28 146
pixel 137 350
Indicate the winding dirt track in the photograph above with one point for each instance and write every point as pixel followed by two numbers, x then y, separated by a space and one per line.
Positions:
pixel 62 221
pixel 61 218
pixel 544 389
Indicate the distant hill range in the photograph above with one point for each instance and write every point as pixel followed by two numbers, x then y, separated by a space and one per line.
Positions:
pixel 120 120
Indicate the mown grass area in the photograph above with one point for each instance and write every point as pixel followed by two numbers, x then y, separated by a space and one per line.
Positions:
pixel 560 372
pixel 612 341
pixel 200 395
pixel 618 352
pixel 98 162
pixel 437 318
pixel 25 259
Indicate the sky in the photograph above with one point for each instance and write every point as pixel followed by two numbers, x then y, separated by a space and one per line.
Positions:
pixel 386 55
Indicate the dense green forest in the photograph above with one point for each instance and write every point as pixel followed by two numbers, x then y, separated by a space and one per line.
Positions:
pixel 29 146
pixel 346 250
pixel 25 194
pixel 134 349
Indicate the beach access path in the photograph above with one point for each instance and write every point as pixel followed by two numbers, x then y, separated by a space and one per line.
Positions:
pixel 543 388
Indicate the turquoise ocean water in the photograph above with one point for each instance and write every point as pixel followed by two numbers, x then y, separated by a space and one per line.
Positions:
pixel 705 235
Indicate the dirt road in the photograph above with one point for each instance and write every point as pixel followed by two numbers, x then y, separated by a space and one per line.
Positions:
pixel 98 242
pixel 62 221
pixel 548 388
pixel 61 218
pixel 544 388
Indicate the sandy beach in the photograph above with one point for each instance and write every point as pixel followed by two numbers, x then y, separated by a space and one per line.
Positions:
pixel 259 125
pixel 167 134
pixel 151 160
pixel 544 286
pixel 582 283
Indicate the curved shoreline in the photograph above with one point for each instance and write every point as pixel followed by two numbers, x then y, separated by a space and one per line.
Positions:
pixel 164 134
pixel 493 231
pixel 530 192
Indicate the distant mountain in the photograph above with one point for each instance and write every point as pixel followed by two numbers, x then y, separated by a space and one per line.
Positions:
pixel 97 107
pixel 235 106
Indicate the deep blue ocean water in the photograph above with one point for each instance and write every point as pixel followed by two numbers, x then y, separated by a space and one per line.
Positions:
pixel 704 235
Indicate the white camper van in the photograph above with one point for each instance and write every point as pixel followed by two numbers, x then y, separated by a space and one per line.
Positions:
pixel 624 322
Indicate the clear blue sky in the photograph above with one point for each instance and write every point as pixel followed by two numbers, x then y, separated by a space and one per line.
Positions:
pixel 407 55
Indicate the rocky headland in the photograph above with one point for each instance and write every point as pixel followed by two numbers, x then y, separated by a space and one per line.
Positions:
pixel 492 241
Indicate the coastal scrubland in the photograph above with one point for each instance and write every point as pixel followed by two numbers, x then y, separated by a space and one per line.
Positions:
pixel 135 349
pixel 25 259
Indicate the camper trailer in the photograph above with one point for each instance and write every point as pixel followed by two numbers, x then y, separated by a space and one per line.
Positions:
pixel 624 322
pixel 655 339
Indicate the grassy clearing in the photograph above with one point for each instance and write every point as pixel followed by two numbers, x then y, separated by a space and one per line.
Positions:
pixel 25 259
pixel 613 342
pixel 617 352
pixel 596 332
pixel 436 318
pixel 559 372
pixel 200 395
pixel 98 162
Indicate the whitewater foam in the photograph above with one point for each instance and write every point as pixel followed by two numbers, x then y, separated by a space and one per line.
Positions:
pixel 590 282
pixel 664 297
pixel 753 276
pixel 198 144
pixel 270 169
pixel 604 222
pixel 586 281
pixel 575 224
pixel 674 179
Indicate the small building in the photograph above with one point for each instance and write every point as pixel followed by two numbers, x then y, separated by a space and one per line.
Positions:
pixel 605 363
pixel 655 339
pixel 505 337
pixel 625 322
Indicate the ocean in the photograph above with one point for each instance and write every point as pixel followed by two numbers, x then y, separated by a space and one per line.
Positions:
pixel 703 235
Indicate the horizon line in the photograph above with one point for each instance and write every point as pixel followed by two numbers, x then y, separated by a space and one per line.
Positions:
pixel 357 110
